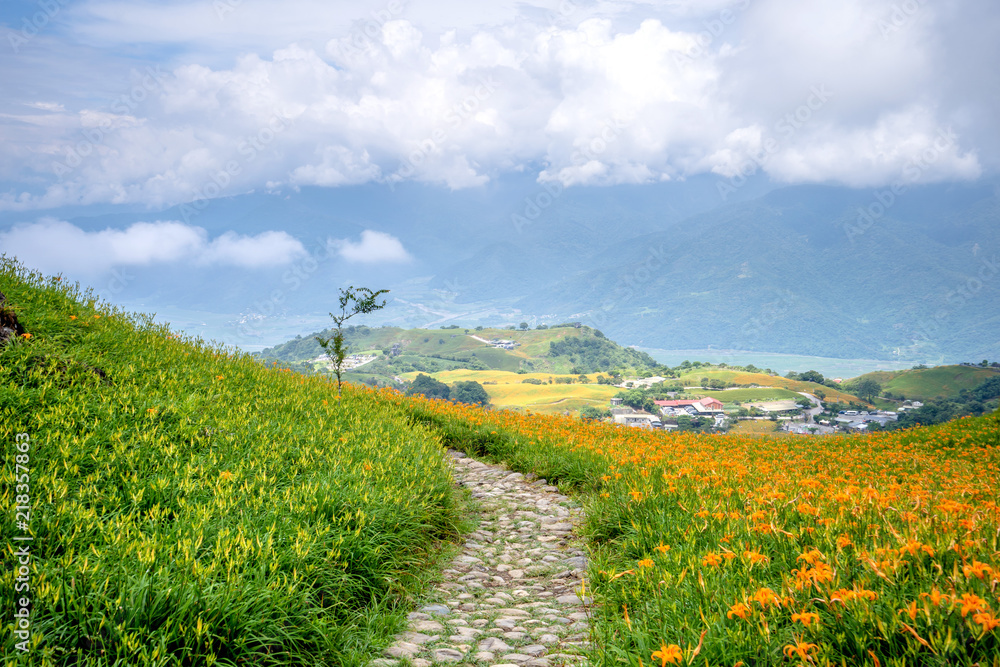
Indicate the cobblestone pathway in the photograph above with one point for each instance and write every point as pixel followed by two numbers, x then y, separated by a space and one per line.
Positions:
pixel 511 597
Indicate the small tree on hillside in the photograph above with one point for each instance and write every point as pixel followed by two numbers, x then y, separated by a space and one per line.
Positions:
pixel 470 392
pixel 867 389
pixel 353 301
pixel 429 387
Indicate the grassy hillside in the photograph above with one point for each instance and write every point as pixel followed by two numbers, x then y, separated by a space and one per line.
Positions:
pixel 936 382
pixel 565 349
pixel 191 506
pixel 764 380
pixel 756 395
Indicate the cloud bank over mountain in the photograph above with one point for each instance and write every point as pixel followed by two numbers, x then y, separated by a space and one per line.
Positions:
pixel 226 98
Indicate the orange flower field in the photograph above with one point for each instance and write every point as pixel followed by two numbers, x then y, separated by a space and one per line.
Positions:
pixel 725 550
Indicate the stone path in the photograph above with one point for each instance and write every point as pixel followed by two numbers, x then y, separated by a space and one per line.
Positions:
pixel 512 597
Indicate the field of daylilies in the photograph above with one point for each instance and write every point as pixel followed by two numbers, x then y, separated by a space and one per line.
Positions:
pixel 192 507
pixel 729 550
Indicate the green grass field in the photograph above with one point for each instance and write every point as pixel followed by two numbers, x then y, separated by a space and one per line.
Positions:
pixel 754 395
pixel 193 507
pixel 937 382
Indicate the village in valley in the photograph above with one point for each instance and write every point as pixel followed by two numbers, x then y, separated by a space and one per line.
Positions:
pixel 805 416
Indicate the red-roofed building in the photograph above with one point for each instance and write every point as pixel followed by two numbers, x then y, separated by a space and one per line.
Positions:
pixel 713 404
pixel 675 404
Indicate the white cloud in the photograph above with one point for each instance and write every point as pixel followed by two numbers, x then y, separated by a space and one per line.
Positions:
pixel 251 252
pixel 374 248
pixel 57 246
pixel 598 92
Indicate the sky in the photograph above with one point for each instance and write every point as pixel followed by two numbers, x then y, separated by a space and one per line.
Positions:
pixel 154 104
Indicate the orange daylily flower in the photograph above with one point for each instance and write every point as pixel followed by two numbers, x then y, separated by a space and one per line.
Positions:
pixel 987 621
pixel 801 649
pixel 971 602
pixel 711 559
pixel 739 609
pixel 765 597
pixel 935 597
pixel 671 654
pixel 807 618
pixel 977 570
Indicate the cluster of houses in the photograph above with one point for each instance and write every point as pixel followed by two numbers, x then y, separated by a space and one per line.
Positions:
pixel 503 344
pixel 701 407
pixel 858 420
pixel 350 362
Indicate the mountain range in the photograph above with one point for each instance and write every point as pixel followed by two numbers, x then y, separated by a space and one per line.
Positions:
pixel 821 270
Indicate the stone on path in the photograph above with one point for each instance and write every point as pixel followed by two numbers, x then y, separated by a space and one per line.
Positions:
pixel 436 610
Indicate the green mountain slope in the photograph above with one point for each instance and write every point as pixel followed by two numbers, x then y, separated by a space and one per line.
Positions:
pixel 561 349
pixel 930 383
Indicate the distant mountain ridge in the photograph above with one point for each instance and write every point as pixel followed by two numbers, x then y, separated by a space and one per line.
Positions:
pixel 794 269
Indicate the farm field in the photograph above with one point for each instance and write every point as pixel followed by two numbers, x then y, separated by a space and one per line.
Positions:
pixel 873 550
pixel 193 507
pixel 507 390
pixel 754 426
pixel 729 396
